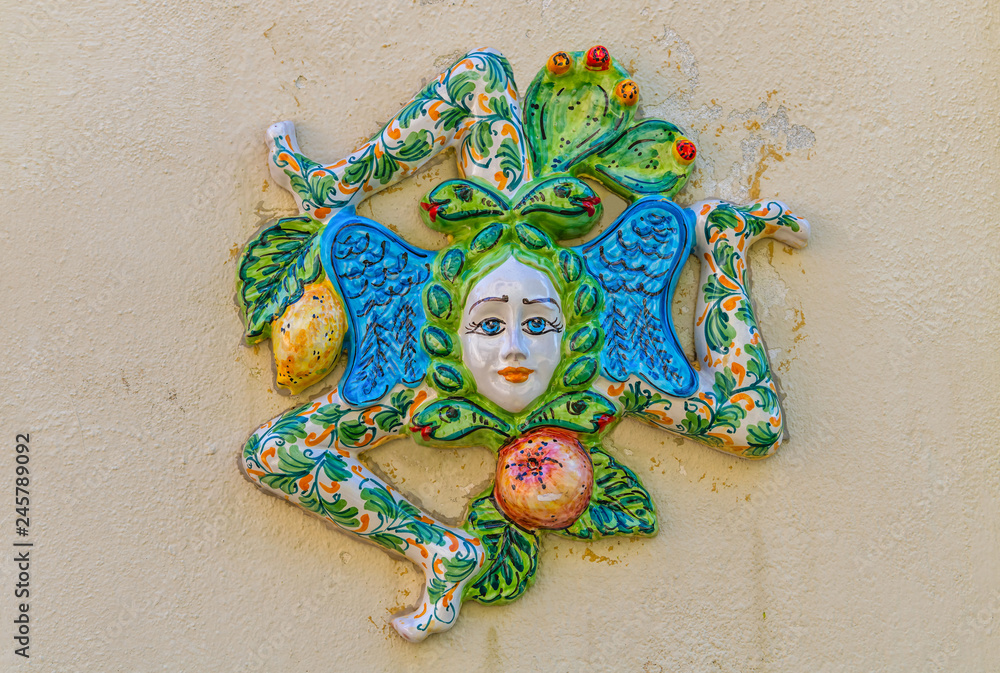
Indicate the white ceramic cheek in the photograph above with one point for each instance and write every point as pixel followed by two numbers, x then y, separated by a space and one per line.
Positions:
pixel 501 294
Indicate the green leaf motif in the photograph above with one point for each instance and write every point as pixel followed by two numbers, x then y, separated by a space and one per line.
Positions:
pixel 580 372
pixel 619 504
pixel 570 265
pixel 451 264
pixel 511 552
pixel 358 169
pixel 637 399
pixel 744 313
pixel 351 432
pixel 456 569
pixel 417 107
pixel 695 424
pixel 790 222
pixel 335 510
pixel 722 218
pixel 586 300
pixel 725 258
pixel 289 428
pixel 719 334
pixel 439 301
pixel 761 437
pixel 584 339
pixel 481 140
pixel 447 377
pixel 335 468
pixel 315 188
pixel 388 420
pixel 385 167
pixel 460 86
pixel 292 466
pixel 724 385
pixel 417 146
pixel 754 224
pixel 714 290
pixel 399 519
pixel 274 269
pixel 498 73
pixel 530 236
pixel 757 364
pixel 436 589
pixel 436 341
pixel 510 162
pixel 252 446
pixel 728 416
pixel 486 238
pixel 451 117
pixel 327 415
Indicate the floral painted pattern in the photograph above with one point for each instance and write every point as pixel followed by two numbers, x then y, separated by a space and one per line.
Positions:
pixel 524 189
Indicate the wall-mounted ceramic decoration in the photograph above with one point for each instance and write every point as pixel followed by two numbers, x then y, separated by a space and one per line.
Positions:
pixel 507 338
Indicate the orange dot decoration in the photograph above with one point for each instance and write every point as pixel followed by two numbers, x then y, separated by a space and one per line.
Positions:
pixel 544 479
pixel 598 58
pixel 559 63
pixel 684 150
pixel 627 92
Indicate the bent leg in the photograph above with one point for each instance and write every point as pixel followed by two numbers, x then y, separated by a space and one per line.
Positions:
pixel 474 99
pixel 300 456
pixel 736 407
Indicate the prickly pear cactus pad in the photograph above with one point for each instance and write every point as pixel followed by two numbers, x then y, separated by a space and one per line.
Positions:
pixel 507 338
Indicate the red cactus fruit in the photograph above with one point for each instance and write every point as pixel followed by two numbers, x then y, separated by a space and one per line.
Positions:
pixel 598 58
pixel 544 479
pixel 684 150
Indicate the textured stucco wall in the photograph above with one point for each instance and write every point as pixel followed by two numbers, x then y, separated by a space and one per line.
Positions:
pixel 133 171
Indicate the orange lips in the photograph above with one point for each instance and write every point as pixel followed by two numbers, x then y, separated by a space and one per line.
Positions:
pixel 516 374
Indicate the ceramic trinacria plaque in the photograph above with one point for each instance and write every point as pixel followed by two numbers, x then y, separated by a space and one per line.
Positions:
pixel 506 338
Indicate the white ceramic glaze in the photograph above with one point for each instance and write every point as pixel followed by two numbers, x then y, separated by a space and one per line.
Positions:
pixel 511 332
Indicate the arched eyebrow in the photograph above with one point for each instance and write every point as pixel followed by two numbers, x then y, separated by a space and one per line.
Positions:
pixel 504 298
pixel 541 300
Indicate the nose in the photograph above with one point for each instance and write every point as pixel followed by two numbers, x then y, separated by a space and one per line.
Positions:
pixel 514 346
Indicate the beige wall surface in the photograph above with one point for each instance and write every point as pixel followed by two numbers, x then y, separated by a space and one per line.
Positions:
pixel 131 145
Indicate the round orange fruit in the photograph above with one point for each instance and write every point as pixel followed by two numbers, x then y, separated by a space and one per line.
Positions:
pixel 544 479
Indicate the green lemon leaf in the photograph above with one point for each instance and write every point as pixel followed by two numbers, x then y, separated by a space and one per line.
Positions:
pixel 274 268
pixel 619 505
pixel 511 553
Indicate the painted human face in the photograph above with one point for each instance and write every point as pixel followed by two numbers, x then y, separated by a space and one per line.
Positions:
pixel 511 334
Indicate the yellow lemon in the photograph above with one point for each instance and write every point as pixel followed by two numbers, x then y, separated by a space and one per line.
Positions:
pixel 308 337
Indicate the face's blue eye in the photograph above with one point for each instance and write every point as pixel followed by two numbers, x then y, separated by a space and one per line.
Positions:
pixel 491 326
pixel 535 326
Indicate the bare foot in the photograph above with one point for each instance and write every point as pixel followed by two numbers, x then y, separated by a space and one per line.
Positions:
pixel 285 133
pixel 794 239
pixel 447 570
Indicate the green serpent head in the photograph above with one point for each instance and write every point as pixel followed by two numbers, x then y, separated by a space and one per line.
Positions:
pixel 462 202
pixel 566 206
pixel 450 419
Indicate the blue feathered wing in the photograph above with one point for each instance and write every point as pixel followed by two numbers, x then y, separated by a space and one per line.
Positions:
pixel 637 262
pixel 381 279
